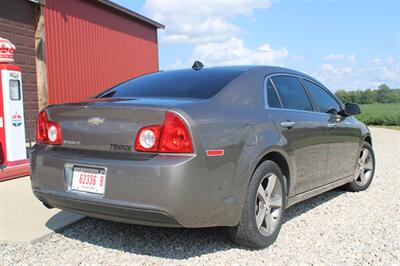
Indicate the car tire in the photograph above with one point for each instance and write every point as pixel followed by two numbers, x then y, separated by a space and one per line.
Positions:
pixel 365 169
pixel 255 230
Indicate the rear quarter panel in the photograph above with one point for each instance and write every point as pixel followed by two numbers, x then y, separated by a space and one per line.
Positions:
pixel 236 121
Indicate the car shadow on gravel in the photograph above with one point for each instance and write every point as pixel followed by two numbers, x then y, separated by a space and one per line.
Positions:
pixel 170 243
pixel 309 204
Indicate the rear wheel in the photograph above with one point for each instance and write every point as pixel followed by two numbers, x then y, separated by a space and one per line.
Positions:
pixel 263 209
pixel 365 169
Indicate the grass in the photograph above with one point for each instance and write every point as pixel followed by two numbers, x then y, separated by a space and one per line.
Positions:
pixel 377 114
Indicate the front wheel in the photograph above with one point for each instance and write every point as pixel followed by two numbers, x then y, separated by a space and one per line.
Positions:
pixel 365 169
pixel 263 209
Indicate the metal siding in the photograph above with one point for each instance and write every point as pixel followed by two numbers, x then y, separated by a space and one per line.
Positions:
pixel 17 20
pixel 90 48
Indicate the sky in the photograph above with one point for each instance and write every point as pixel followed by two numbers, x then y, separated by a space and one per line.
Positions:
pixel 344 44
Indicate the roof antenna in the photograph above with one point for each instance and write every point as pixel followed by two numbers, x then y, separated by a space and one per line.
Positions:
pixel 197 65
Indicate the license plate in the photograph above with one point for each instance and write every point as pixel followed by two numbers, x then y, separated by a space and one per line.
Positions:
pixel 91 180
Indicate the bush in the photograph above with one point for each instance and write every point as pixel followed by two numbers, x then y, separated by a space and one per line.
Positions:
pixel 381 120
pixel 380 114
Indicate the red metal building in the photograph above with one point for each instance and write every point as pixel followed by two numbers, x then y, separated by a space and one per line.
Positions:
pixel 91 46
pixel 72 49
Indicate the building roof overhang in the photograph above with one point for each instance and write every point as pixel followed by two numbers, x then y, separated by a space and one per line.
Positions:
pixel 119 8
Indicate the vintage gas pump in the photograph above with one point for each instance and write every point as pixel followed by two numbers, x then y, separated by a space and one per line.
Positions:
pixel 13 158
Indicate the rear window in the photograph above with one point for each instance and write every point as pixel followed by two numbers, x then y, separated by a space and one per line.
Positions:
pixel 185 83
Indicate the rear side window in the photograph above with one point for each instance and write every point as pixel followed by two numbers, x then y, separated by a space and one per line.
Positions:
pixel 325 102
pixel 272 97
pixel 185 83
pixel 292 93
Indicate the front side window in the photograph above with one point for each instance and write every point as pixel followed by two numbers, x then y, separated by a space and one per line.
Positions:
pixel 273 100
pixel 292 93
pixel 325 102
pixel 15 90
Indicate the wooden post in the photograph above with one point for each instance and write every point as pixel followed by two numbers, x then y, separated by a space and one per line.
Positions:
pixel 41 76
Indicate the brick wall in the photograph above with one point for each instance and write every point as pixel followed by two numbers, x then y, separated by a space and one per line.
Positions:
pixel 17 20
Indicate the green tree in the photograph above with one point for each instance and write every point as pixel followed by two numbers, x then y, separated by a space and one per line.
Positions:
pixel 343 96
pixel 355 96
pixel 395 95
pixel 367 97
pixel 383 94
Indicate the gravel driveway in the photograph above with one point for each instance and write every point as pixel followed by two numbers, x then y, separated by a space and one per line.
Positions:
pixel 334 228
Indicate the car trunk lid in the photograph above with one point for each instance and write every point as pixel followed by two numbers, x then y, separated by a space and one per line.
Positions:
pixel 105 125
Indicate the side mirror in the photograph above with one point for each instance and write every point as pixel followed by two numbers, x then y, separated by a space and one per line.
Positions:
pixel 352 109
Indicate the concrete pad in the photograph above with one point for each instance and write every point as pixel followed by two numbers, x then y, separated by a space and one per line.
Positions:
pixel 23 218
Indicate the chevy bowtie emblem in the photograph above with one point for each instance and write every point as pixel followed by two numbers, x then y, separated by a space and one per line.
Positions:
pixel 96 121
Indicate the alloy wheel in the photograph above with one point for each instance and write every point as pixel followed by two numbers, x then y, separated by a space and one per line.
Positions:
pixel 269 204
pixel 364 167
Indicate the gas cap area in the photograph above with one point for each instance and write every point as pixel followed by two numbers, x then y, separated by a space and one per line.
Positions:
pixel 249 135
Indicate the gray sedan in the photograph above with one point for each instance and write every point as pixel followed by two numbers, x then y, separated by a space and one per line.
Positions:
pixel 201 147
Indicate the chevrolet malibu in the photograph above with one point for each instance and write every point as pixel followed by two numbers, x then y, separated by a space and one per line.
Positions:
pixel 201 147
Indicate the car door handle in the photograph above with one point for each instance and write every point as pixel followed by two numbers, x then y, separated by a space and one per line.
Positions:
pixel 332 125
pixel 287 124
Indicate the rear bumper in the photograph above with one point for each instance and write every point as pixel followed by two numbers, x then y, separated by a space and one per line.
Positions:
pixel 107 211
pixel 164 190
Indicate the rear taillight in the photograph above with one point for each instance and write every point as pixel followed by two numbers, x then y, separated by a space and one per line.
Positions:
pixel 41 131
pixel 148 138
pixel 48 132
pixel 173 136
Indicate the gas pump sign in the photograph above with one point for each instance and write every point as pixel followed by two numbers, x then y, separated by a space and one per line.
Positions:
pixel 16 120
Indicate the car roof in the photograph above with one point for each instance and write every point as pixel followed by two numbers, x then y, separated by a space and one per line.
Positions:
pixel 264 70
